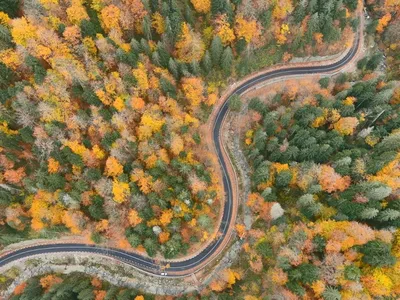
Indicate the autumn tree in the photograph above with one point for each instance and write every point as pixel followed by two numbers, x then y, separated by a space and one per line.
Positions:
pixel 193 89
pixel 189 47
pixel 224 30
pixel 201 6
pixel 247 30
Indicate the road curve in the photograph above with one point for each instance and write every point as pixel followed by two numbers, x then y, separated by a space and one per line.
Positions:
pixel 186 267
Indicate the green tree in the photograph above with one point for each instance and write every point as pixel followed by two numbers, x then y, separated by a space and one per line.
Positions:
pixel 377 254
pixel 283 178
pixel 151 246
pixel 173 68
pixel 226 61
pixel 10 7
pixel 373 62
pixel 146 25
pixel 235 103
pixel 206 63
pixel 331 293
pixel 216 51
pixel 324 82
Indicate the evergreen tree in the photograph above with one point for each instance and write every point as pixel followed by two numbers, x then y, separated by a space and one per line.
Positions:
pixel 226 61
pixel 173 68
pixel 216 50
pixel 146 25
pixel 235 103
pixel 10 7
pixel 377 254
pixel 206 63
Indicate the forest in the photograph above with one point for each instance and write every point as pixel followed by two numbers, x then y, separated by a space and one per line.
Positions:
pixel 103 111
pixel 102 105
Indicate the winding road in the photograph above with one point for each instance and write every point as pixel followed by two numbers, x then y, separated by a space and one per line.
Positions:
pixel 187 267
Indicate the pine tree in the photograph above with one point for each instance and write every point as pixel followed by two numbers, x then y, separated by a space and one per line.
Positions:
pixel 146 25
pixel 377 254
pixel 206 63
pixel 388 215
pixel 235 103
pixel 173 68
pixel 195 68
pixel 369 213
pixel 226 61
pixel 10 7
pixel 261 174
pixel 216 51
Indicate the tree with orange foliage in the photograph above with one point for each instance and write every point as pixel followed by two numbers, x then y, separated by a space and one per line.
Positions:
pixel 383 22
pixel 255 202
pixel 96 282
pixel 134 218
pixel 74 220
pixel 166 217
pixel 100 295
pixel 72 34
pixel 113 167
pixel 48 281
pixel 241 230
pixel 190 46
pixel 346 125
pixel 331 181
pixel 52 165
pixel 14 176
pixel 19 289
pixel 137 103
pixel 163 237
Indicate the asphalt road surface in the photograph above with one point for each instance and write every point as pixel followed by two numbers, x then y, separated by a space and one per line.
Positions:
pixel 189 266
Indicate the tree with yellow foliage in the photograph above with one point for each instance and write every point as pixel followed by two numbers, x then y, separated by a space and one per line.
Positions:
pixel 113 167
pixel 176 144
pixel 190 46
pixel 110 17
pixel 223 30
pixel 201 6
pixel 247 30
pixel 76 12
pixel 346 125
pixel 193 90
pixel 22 31
pixel 120 191
pixel 158 23
pixel 282 8
pixel 140 74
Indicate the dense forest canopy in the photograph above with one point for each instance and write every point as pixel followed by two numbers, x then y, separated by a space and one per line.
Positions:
pixel 102 104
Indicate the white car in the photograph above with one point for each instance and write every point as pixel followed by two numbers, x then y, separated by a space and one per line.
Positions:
pixel 164 273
